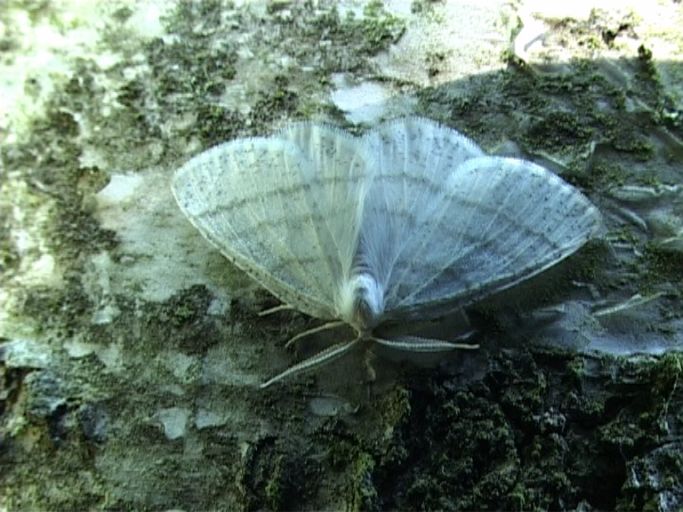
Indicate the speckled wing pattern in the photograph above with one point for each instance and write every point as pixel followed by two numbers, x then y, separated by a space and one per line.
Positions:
pixel 445 225
pixel 438 223
pixel 400 241
pixel 281 208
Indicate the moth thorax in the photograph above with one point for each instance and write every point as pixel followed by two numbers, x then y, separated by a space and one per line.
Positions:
pixel 361 302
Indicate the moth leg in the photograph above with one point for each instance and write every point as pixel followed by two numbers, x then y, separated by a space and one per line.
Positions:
pixel 370 373
pixel 276 309
pixel 324 357
pixel 320 328
pixel 368 360
pixel 419 344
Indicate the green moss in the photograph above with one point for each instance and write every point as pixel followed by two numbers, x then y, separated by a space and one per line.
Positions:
pixel 477 448
pixel 369 34
pixel 662 266
pixel 276 476
pixel 566 116
pixel 395 406
pixel 218 124
pixel 647 64
pixel 194 65
pixel 557 130
pixel 629 142
pixel 379 28
pixel 642 492
pixel 362 491
pixel 665 376
pixel 274 486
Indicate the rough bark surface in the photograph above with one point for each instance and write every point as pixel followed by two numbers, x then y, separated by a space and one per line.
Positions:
pixel 131 351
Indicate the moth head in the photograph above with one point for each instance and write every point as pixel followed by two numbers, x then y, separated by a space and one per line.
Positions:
pixel 361 302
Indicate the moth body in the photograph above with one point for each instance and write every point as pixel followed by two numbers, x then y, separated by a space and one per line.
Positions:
pixel 361 302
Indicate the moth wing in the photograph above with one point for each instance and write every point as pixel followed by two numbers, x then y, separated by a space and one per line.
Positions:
pixel 476 224
pixel 258 201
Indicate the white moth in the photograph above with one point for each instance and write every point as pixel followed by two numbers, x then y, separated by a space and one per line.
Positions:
pixel 410 221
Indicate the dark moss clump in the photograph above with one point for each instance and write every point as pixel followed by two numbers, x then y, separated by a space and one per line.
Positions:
pixel 9 257
pixel 515 442
pixel 663 265
pixel 559 129
pixel 182 320
pixel 218 124
pixel 199 66
pixel 378 27
pixel 48 162
pixel 63 311
pixel 277 477
pixel 578 118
